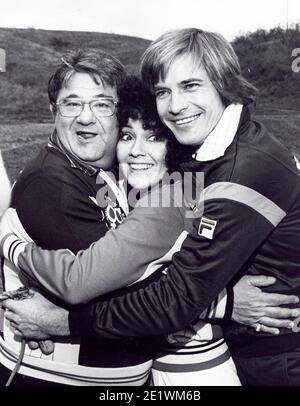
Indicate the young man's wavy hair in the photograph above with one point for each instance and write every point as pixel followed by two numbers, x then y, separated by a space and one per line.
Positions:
pixel 207 49
pixel 103 68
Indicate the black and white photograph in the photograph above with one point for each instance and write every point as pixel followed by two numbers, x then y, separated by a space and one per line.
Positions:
pixel 150 197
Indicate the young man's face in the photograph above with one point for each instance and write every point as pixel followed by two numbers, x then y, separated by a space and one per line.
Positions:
pixel 90 138
pixel 187 102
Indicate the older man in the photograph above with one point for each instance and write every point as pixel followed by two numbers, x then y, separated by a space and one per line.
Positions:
pixel 55 202
pixel 251 213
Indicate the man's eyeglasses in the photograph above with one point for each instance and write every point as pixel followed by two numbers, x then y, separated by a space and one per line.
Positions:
pixel 101 107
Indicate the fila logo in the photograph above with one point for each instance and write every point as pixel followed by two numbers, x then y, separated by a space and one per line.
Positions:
pixel 207 227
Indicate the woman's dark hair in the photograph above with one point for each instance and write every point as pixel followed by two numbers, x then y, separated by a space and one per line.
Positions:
pixel 138 103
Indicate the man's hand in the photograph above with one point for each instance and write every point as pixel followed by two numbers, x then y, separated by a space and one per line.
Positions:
pixel 46 346
pixel 254 307
pixel 37 318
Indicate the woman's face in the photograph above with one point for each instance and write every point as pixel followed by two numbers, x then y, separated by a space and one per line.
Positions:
pixel 141 155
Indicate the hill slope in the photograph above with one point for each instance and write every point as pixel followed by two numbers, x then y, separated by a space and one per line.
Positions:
pixel 32 55
pixel 265 56
pixel 266 59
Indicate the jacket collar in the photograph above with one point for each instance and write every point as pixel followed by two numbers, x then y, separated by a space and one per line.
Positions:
pixel 222 135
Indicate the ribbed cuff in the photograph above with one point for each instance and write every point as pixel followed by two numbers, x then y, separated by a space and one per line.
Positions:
pixel 12 247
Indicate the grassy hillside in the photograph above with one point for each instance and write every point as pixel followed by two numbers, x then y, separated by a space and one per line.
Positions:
pixel 32 56
pixel 266 60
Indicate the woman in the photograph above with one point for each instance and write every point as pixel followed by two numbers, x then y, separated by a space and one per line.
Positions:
pixel 141 246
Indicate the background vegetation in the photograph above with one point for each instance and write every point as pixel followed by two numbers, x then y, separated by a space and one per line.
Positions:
pixel 266 59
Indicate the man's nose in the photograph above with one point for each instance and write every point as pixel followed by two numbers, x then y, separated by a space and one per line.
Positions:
pixel 138 148
pixel 177 103
pixel 86 116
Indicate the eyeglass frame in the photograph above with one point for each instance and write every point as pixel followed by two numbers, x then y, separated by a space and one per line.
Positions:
pixel 83 103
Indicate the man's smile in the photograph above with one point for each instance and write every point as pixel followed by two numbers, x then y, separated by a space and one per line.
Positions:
pixel 186 120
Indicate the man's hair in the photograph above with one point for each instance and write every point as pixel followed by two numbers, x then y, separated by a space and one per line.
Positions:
pixel 207 49
pixel 102 67
pixel 138 103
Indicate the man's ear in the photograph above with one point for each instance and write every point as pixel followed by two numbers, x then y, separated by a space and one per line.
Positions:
pixel 53 111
